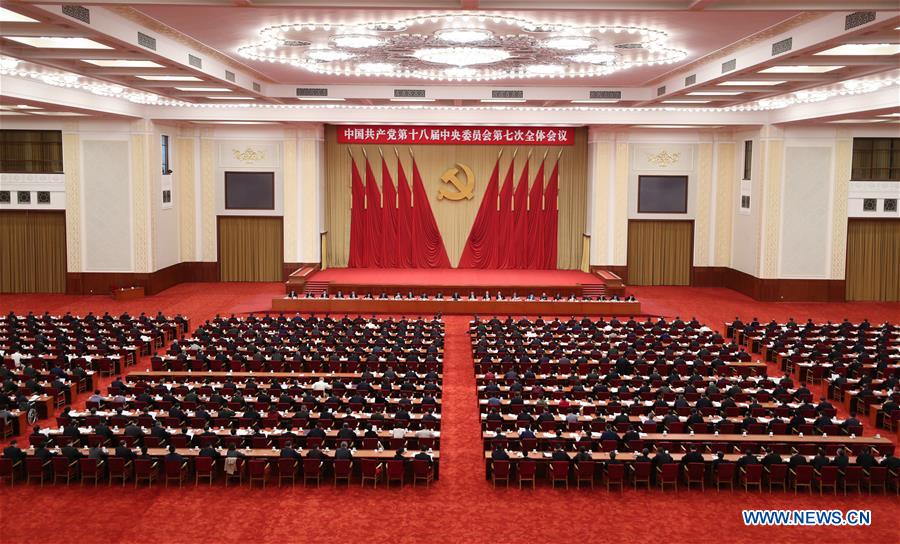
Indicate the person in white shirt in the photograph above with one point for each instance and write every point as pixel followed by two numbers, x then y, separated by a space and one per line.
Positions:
pixel 424 433
pixel 321 385
pixel 398 432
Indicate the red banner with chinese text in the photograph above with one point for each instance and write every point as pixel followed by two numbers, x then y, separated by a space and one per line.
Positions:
pixel 464 135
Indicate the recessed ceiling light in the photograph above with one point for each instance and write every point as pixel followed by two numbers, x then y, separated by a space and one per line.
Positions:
pixel 668 126
pixel 595 101
pixel 502 100
pixel 320 98
pixel 123 63
pixel 60 113
pixel 356 41
pixel 800 69
pixel 686 101
pixel 858 121
pixel 412 99
pixel 863 49
pixel 464 35
pixel 204 89
pixel 236 122
pixel 750 83
pixel 19 107
pixel 715 93
pixel 169 78
pixel 890 115
pixel 569 43
pixel 460 56
pixel 9 16
pixel 7 112
pixel 230 98
pixel 57 42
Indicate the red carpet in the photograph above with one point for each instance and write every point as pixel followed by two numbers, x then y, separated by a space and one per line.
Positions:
pixel 462 506
pixel 454 276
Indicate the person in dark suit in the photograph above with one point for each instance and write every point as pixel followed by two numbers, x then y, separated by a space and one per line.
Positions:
pixel 13 452
pixel 499 454
pixel 560 455
pixel 343 452
pixel 43 453
pixel 771 458
pixel 71 453
pixel 820 460
pixel 643 456
pixel 747 459
pixel 583 455
pixel 173 455
pixel 841 460
pixel 289 452
pixel 865 459
pixel 423 456
pixel 693 456
pixel 122 451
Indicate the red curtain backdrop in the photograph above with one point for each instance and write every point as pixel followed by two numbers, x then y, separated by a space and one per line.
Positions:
pixel 551 215
pixel 535 237
pixel 404 221
pixel 373 233
pixel 503 246
pixel 517 253
pixel 479 250
pixel 357 219
pixel 429 251
pixel 389 220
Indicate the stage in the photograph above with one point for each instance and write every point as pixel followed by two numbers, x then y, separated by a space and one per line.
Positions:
pixel 446 282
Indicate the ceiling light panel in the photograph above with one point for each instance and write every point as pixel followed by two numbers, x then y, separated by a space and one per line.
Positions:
pixel 230 97
pixel 715 93
pixel 9 16
pixel 123 63
pixel 56 42
pixel 750 83
pixel 168 78
pixel 203 89
pixel 863 49
pixel 800 69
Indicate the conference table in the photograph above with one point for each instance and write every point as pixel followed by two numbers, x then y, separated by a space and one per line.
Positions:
pixel 262 376
pixel 627 458
pixel 461 307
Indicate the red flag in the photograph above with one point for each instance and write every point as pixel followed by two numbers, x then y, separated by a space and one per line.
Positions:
pixel 551 216
pixel 506 220
pixel 404 221
pixel 517 254
pixel 374 244
pixel 479 250
pixel 357 219
pixel 535 237
pixel 429 251
pixel 389 224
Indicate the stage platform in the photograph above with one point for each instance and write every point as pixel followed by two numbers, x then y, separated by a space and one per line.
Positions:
pixel 446 282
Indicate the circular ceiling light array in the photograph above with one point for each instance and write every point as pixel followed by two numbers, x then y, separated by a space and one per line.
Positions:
pixel 423 47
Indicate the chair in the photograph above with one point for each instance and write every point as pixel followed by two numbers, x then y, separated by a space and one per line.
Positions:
pixel 396 469
pixel 90 469
pixel 312 470
pixel 853 476
pixel 500 471
pixel 117 467
pixel 667 475
pixel 641 474
pixel 559 472
pixel 258 470
pixel 35 468
pixel 584 472
pixel 287 470
pixel 877 477
pixel 803 477
pixel 8 469
pixel 526 471
pixel 145 469
pixel 615 476
pixel 343 469
pixel 724 474
pixel 234 470
pixel 695 473
pixel 204 468
pixel 777 475
pixel 370 469
pixel 751 475
pixel 62 468
pixel 175 470
pixel 828 477
pixel 422 470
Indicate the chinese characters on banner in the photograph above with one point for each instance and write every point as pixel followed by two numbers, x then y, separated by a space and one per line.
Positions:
pixel 414 134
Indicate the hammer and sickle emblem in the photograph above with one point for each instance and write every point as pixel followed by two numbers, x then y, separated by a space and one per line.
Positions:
pixel 463 190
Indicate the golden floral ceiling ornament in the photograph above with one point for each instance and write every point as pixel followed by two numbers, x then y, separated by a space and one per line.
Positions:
pixel 249 155
pixel 664 159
